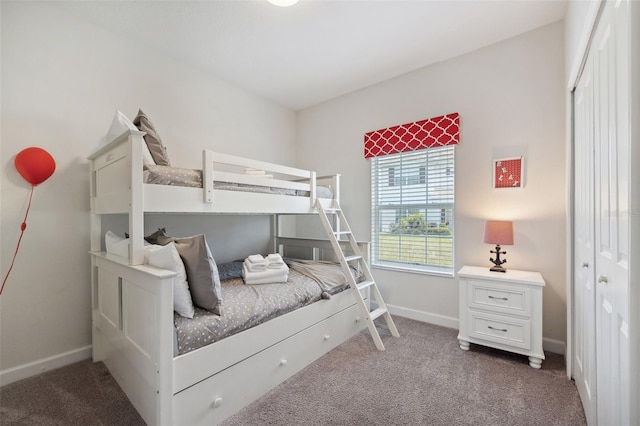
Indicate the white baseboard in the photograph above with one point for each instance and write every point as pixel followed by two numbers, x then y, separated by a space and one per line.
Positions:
pixel 34 368
pixel 423 316
pixel 550 345
pixel 555 346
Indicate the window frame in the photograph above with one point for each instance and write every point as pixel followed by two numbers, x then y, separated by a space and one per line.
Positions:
pixel 430 207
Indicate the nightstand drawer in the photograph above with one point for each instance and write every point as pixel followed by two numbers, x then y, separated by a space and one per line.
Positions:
pixel 499 298
pixel 509 331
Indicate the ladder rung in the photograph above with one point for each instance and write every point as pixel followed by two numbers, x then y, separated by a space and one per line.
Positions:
pixel 377 313
pixel 352 258
pixel 365 284
pixel 342 233
pixel 332 210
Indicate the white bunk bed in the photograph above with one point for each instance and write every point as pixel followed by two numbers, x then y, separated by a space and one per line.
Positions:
pixel 132 303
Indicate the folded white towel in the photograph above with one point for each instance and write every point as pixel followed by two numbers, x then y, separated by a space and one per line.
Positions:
pixel 274 261
pixel 265 274
pixel 256 258
pixel 255 267
pixel 256 262
pixel 252 281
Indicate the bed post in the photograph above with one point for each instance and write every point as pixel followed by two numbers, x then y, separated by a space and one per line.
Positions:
pixel 95 223
pixel 207 175
pixel 275 229
pixel 312 189
pixel 336 190
pixel 164 372
pixel 136 214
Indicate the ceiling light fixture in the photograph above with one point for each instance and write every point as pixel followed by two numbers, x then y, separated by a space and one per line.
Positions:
pixel 283 3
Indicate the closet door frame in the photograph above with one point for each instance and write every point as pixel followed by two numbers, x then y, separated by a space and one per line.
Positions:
pixel 584 319
pixel 584 45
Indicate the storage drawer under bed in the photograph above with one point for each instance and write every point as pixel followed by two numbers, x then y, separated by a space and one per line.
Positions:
pixel 221 395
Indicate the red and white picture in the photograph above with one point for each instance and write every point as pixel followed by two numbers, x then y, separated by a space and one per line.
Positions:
pixel 507 172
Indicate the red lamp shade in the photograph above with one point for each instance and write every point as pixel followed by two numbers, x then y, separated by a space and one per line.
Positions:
pixel 498 232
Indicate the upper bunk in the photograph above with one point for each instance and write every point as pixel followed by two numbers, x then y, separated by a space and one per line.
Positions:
pixel 229 184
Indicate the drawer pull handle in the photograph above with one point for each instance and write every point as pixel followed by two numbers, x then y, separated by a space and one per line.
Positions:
pixel 283 362
pixel 504 330
pixel 327 337
pixel 217 402
pixel 585 264
pixel 602 279
pixel 498 298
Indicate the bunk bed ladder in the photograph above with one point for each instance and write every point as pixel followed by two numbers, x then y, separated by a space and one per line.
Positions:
pixel 336 235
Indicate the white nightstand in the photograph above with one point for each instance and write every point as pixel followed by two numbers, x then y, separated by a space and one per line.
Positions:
pixel 502 310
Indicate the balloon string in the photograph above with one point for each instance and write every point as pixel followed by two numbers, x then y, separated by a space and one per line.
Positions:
pixel 23 226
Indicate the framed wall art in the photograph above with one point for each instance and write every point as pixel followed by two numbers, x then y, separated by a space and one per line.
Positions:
pixel 508 172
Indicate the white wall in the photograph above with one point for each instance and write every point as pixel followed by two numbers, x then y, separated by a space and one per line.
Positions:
pixel 62 80
pixel 510 97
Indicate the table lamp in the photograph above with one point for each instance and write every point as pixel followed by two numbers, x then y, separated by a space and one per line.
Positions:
pixel 498 232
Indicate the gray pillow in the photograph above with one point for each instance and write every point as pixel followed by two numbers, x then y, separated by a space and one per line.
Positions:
pixel 202 271
pixel 152 138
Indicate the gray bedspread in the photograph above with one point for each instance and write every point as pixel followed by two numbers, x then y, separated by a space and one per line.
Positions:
pixel 245 306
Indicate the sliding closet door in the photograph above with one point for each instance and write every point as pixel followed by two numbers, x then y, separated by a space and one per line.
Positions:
pixel 584 344
pixel 612 156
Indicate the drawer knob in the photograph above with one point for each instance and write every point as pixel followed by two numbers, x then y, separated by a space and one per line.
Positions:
pixel 217 402
pixel 326 337
pixel 283 362
pixel 357 319
pixel 585 264
pixel 504 330
pixel 498 298
pixel 602 279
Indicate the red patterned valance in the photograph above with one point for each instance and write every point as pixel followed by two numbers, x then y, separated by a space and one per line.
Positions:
pixel 429 133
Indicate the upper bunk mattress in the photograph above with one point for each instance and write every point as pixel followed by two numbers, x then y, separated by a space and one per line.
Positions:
pixel 175 176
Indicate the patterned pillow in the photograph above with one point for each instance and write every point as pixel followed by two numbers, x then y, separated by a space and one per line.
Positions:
pixel 230 270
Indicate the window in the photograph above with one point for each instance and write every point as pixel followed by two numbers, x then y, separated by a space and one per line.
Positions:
pixel 412 198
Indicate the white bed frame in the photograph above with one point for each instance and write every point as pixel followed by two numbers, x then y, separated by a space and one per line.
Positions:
pixel 132 303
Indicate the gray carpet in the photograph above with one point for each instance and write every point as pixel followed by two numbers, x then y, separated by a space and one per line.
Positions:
pixel 83 393
pixel 423 378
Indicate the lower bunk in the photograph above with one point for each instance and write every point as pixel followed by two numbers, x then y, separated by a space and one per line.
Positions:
pixel 134 335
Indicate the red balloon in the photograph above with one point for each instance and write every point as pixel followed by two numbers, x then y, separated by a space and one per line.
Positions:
pixel 35 165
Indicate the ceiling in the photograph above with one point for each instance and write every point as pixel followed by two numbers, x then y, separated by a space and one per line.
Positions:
pixel 317 50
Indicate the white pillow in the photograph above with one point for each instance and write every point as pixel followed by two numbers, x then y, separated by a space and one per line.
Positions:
pixel 167 257
pixel 116 244
pixel 121 124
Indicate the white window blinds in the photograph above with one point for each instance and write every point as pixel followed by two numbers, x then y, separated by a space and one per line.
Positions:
pixel 412 198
